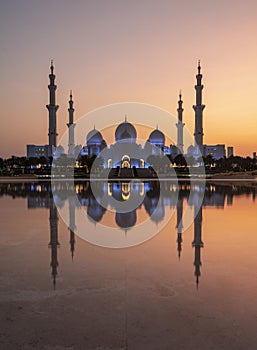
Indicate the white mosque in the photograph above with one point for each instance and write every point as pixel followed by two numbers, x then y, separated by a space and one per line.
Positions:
pixel 126 152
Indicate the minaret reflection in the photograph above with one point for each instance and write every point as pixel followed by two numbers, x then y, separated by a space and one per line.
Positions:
pixel 72 225
pixel 197 242
pixel 39 196
pixel 54 244
pixel 179 225
pixel 153 204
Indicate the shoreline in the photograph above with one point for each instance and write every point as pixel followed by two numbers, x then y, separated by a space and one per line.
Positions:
pixel 219 178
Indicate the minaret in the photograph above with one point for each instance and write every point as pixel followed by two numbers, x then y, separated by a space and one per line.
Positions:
pixel 198 108
pixel 180 125
pixel 71 126
pixel 197 242
pixel 52 109
pixel 54 244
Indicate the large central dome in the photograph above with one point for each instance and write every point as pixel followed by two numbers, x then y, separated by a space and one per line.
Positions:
pixel 125 131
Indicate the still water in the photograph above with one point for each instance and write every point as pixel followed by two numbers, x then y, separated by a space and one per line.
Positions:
pixel 176 284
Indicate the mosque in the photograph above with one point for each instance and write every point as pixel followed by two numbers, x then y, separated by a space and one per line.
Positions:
pixel 126 152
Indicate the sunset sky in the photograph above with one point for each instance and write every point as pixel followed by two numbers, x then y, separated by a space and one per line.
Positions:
pixel 110 51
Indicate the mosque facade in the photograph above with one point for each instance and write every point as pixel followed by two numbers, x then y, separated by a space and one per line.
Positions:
pixel 126 151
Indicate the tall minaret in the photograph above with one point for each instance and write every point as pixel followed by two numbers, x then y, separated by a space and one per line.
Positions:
pixel 52 109
pixel 197 242
pixel 198 108
pixel 71 126
pixel 180 125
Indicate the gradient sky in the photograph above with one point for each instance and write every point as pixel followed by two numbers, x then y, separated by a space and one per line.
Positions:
pixel 110 51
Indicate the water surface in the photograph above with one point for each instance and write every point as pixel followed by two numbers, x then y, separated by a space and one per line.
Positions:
pixel 180 289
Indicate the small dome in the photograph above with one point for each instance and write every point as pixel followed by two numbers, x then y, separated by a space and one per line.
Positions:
pixel 125 131
pixel 157 137
pixel 94 137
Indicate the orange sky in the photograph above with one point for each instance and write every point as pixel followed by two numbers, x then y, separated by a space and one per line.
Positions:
pixel 119 50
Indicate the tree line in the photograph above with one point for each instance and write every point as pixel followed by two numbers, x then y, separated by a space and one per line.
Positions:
pixel 21 165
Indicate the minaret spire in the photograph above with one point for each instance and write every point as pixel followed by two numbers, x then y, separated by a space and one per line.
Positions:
pixel 180 125
pixel 198 108
pixel 52 67
pixel 52 109
pixel 71 125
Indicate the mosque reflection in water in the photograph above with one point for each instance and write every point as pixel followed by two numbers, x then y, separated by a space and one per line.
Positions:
pixel 39 195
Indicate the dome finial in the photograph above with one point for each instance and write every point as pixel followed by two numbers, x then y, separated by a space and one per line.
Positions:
pixel 125 118
pixel 157 126
pixel 94 126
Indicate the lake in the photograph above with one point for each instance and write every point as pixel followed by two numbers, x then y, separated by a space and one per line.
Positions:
pixel 128 265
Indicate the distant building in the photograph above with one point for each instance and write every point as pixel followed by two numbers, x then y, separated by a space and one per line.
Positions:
pixel 254 155
pixel 36 151
pixel 217 151
pixel 230 151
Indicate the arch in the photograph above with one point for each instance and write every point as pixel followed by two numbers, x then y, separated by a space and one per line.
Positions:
pixel 125 161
